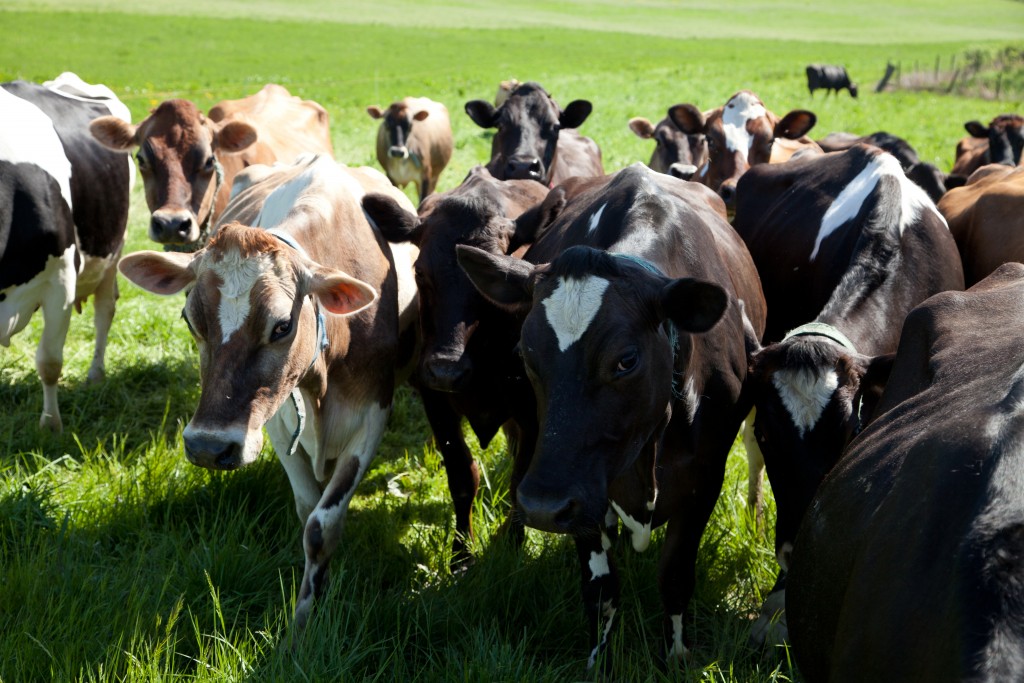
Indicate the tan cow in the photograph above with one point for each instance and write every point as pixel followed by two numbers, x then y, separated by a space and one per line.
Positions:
pixel 188 161
pixel 986 218
pixel 297 325
pixel 414 142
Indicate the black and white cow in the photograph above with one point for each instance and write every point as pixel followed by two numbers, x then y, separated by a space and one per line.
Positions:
pixel 848 228
pixel 635 341
pixel 63 214
pixel 928 176
pixel 908 564
pixel 830 78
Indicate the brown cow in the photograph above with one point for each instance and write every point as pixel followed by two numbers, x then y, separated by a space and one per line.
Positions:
pixel 414 142
pixel 188 161
pixel 986 218
pixel 1000 142
pixel 675 152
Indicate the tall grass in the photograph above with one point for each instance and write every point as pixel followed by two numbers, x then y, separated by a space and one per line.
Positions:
pixel 121 562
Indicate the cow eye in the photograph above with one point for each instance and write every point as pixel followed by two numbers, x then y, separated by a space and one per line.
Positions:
pixel 210 164
pixel 281 330
pixel 627 363
pixel 188 324
pixel 141 161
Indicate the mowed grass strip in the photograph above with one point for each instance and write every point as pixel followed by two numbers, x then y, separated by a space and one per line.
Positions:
pixel 120 561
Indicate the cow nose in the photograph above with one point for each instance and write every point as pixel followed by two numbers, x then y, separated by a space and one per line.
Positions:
pixel 682 171
pixel 441 374
pixel 214 454
pixel 523 168
pixel 396 152
pixel 554 513
pixel 168 227
pixel 728 193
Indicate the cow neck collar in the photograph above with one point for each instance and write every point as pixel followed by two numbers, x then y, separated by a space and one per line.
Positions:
pixel 822 330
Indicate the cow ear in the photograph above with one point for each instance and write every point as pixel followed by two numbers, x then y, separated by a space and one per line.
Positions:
pixel 234 136
pixel 158 272
pixel 687 118
pixel 482 112
pixel 394 222
pixel 575 114
pixel 505 281
pixel 421 114
pixel 795 124
pixel 875 373
pixel 340 293
pixel 374 111
pixel 113 133
pixel 976 129
pixel 693 305
pixel 532 222
pixel 642 127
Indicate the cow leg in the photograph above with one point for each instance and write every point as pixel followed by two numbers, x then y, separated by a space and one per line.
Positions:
pixel 463 475
pixel 104 302
pixel 600 587
pixel 522 439
pixel 56 307
pixel 770 631
pixel 755 472
pixel 326 522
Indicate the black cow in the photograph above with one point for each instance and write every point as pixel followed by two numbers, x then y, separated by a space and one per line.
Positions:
pixel 636 346
pixel 468 366
pixel 850 228
pixel 1000 142
pixel 908 566
pixel 928 176
pixel 63 214
pixel 829 78
pixel 675 152
pixel 536 139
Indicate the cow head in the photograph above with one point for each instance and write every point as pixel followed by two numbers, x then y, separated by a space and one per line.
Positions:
pixel 598 349
pixel 675 152
pixel 528 122
pixel 177 155
pixel 740 135
pixel 397 126
pixel 252 308
pixel 1005 135
pixel 812 396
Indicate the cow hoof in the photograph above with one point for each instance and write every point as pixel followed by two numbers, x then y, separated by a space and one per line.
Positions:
pixel 770 632
pixel 52 423
pixel 96 375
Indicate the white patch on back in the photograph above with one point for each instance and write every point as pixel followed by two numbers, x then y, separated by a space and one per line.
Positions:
pixel 572 306
pixel 596 219
pixel 737 112
pixel 639 534
pixel 29 138
pixel 238 276
pixel 805 394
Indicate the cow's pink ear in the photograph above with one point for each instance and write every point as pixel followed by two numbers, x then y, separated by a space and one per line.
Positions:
pixel 374 111
pixel 235 136
pixel 642 127
pixel 342 294
pixel 158 272
pixel 114 133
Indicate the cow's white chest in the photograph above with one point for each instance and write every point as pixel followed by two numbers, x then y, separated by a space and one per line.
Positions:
pixel 805 393
pixel 573 305
pixel 55 283
pixel 738 111
pixel 405 171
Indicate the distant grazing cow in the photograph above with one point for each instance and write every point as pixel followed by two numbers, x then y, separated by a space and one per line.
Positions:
pixel 908 565
pixel 297 325
pixel 536 140
pixel 636 347
pixel 468 365
pixel 829 78
pixel 188 161
pixel 675 152
pixel 414 142
pixel 986 217
pixel 850 233
pixel 1000 142
pixel 926 175
pixel 63 214
pixel 741 134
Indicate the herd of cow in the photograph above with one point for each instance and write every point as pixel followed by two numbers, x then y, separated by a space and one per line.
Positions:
pixel 619 327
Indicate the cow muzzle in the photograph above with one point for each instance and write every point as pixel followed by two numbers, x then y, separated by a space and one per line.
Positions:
pixel 555 512
pixel 450 375
pixel 524 168
pixel 396 152
pixel 218 450
pixel 173 227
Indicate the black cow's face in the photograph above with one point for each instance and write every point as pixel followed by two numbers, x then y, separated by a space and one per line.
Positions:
pixel 528 123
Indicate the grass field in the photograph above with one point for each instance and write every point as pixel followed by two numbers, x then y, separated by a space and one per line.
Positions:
pixel 119 561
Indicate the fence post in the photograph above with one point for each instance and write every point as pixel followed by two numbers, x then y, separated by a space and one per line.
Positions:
pixel 890 68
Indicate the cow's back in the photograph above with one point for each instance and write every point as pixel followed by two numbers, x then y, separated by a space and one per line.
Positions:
pixel 578 156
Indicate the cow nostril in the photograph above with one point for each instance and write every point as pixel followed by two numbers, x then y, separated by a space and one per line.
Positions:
pixel 728 193
pixel 565 517
pixel 228 458
pixel 184 227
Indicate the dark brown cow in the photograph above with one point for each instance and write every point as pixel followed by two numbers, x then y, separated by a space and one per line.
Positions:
pixel 537 140
pixel 675 152
pixel 468 366
pixel 414 142
pixel 188 161
pixel 297 325
pixel 636 347
pixel 908 566
pixel 1000 142
pixel 743 133
pixel 986 218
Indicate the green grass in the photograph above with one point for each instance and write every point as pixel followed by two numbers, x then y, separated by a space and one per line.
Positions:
pixel 120 561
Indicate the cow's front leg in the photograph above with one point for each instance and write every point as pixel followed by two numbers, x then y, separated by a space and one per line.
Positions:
pixel 56 307
pixel 104 302
pixel 600 586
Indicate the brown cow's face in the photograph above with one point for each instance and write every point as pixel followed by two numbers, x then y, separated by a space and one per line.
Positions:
pixel 675 152
pixel 397 122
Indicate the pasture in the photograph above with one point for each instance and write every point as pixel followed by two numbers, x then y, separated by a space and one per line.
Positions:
pixel 121 561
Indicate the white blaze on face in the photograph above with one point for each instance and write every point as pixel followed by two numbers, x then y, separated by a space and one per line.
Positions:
pixel 238 276
pixel 36 141
pixel 738 111
pixel 572 306
pixel 805 393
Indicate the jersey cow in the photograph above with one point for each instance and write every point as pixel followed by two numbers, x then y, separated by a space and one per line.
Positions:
pixel 414 142
pixel 908 565
pixel 926 175
pixel 63 214
pixel 849 232
pixel 830 78
pixel 675 152
pixel 537 140
pixel 986 217
pixel 188 161
pixel 297 325
pixel 635 342
pixel 1000 142
pixel 744 133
